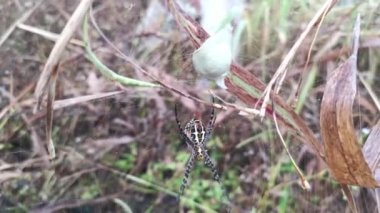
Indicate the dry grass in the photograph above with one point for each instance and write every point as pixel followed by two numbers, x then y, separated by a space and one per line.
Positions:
pixel 117 146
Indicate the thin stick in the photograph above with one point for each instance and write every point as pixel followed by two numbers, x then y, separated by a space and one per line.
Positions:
pixel 46 34
pixel 304 183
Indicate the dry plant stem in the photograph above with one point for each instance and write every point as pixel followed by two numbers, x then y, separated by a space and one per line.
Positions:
pixel 350 197
pixel 22 165
pixel 281 69
pixel 49 113
pixel 46 34
pixel 17 170
pixel 304 183
pixel 280 81
pixel 59 104
pixel 309 53
pixel 24 17
pixel 59 47
pixel 370 92
pixel 242 110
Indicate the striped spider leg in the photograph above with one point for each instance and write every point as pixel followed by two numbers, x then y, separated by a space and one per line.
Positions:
pixel 189 168
pixel 207 160
pixel 210 125
pixel 196 135
pixel 190 162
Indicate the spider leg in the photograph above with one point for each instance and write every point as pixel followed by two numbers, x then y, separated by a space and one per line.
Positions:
pixel 210 124
pixel 181 131
pixel 208 162
pixel 216 177
pixel 185 180
pixel 176 118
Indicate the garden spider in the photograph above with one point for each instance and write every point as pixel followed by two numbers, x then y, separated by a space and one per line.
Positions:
pixel 196 135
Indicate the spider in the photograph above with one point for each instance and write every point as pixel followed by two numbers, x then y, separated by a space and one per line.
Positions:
pixel 196 135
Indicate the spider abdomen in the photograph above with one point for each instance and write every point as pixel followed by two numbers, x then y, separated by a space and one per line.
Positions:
pixel 195 130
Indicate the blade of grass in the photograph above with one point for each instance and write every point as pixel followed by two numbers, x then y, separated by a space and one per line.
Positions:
pixel 265 38
pixel 284 201
pixel 262 135
pixel 305 91
pixel 253 23
pixel 274 171
pixel 284 15
pixel 123 205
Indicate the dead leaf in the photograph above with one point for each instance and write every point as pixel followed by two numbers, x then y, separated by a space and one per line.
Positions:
pixel 344 156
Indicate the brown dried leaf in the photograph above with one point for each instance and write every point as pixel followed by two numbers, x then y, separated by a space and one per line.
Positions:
pixel 344 156
pixel 196 33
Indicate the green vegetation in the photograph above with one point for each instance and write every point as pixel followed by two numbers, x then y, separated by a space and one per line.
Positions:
pixel 119 150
